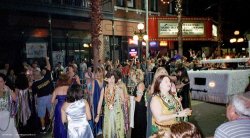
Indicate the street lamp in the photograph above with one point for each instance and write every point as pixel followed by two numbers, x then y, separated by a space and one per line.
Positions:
pixel 236 39
pixel 140 36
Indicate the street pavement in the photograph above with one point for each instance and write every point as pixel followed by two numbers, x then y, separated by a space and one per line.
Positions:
pixel 206 116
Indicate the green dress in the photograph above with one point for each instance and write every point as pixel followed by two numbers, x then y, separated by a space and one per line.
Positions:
pixel 113 117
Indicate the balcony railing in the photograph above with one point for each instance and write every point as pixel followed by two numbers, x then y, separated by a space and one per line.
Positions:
pixel 65 3
pixel 57 6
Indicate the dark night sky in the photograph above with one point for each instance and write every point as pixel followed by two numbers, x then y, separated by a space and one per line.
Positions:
pixel 235 14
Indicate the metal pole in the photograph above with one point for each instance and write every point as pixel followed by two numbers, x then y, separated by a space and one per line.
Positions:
pixel 249 48
pixel 113 33
pixel 50 41
pixel 147 45
pixel 140 49
pixel 66 49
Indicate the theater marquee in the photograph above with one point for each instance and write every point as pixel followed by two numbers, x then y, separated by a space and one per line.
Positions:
pixel 189 29
pixel 165 28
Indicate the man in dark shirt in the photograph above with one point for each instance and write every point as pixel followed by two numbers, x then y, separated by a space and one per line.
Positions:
pixel 42 87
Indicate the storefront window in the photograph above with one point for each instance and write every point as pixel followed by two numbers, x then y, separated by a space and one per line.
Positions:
pixel 154 5
pixel 143 2
pixel 131 3
pixel 120 3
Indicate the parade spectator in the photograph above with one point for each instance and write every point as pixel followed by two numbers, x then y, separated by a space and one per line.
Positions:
pixel 82 69
pixel 144 65
pixel 72 73
pixel 125 72
pixel 238 114
pixel 177 56
pixel 107 69
pixel 139 72
pixel 89 76
pixel 183 87
pixel 42 87
pixel 11 76
pixel 5 69
pixel 35 66
pixel 116 63
pixel 7 98
pixel 160 71
pixel 76 113
pixel 100 64
pixel 140 112
pixel 24 110
pixel 113 98
pixel 132 81
pixel 125 105
pixel 58 70
pixel 184 130
pixel 203 55
pixel 165 105
pixel 58 97
pixel 180 130
pixel 73 62
pixel 97 86
pixel 27 69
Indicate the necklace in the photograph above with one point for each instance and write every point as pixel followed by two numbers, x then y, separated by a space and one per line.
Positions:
pixel 2 103
pixel 110 97
pixel 171 103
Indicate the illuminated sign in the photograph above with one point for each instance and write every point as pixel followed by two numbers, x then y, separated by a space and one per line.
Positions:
pixel 188 29
pixel 130 41
pixel 163 43
pixel 153 44
pixel 214 31
pixel 133 52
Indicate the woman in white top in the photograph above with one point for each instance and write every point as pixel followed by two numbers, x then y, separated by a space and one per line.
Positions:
pixel 76 113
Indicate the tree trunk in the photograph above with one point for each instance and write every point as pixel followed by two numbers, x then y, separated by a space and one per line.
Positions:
pixel 95 29
pixel 179 34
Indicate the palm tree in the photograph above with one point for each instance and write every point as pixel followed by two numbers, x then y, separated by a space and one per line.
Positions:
pixel 95 29
pixel 179 34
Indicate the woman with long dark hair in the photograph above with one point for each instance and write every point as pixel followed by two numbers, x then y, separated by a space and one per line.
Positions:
pixel 165 105
pixel 76 113
pixel 184 87
pixel 97 86
pixel 113 97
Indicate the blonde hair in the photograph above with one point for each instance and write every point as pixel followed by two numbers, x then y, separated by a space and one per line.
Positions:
pixel 158 72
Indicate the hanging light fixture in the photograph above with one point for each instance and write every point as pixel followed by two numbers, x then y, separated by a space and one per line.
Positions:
pixel 165 1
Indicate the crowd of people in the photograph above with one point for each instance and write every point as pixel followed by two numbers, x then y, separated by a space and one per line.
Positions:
pixel 112 100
